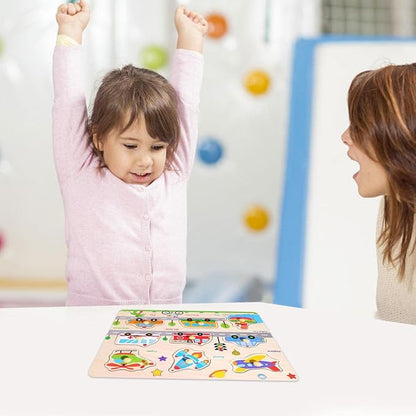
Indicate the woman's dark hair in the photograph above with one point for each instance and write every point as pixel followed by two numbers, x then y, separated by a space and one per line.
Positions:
pixel 129 93
pixel 382 112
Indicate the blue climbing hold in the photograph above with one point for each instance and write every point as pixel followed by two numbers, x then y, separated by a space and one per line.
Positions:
pixel 210 150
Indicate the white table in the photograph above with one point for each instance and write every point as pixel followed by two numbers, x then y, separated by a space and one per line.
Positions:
pixel 345 367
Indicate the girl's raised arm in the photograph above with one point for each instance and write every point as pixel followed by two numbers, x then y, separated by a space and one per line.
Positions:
pixel 72 19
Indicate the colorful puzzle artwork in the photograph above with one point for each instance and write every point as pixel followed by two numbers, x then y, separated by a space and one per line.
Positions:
pixel 191 345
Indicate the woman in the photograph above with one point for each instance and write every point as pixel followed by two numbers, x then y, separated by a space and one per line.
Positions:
pixel 382 139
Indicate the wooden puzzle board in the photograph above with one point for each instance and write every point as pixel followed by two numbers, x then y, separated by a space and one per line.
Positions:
pixel 179 344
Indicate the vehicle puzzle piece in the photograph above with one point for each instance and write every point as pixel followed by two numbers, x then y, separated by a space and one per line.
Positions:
pixel 243 340
pixel 189 360
pixel 243 321
pixel 127 360
pixel 199 323
pixel 142 340
pixel 144 323
pixel 255 362
pixel 198 338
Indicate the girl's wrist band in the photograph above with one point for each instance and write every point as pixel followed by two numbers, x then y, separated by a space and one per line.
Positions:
pixel 65 40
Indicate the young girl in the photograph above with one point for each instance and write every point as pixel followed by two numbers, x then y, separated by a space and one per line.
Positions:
pixel 123 173
pixel 382 139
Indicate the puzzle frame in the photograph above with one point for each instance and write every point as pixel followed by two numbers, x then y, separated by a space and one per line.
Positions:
pixel 165 344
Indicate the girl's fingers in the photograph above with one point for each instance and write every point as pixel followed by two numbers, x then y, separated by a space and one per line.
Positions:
pixel 71 9
pixel 180 10
pixel 84 6
pixel 192 16
pixel 63 8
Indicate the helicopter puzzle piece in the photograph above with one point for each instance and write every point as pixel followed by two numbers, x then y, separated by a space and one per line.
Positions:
pixel 255 362
pixel 127 360
pixel 189 360
pixel 243 321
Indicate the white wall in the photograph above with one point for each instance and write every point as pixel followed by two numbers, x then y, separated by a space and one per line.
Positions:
pixel 30 210
pixel 340 256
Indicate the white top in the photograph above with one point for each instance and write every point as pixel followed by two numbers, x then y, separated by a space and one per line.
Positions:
pixel 396 300
pixel 345 366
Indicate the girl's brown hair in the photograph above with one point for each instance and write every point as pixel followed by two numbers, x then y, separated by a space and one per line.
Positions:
pixel 128 93
pixel 382 112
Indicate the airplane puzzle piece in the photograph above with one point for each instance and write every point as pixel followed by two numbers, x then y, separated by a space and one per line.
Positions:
pixel 255 362
pixel 186 359
pixel 127 360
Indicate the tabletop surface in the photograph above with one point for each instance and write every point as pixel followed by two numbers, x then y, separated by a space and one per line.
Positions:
pixel 346 366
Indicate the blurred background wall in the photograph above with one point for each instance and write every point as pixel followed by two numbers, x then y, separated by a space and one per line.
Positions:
pixel 238 183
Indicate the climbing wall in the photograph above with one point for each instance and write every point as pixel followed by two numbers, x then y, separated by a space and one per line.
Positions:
pixel 235 189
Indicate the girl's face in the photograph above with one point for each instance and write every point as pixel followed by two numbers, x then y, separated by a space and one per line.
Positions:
pixel 372 177
pixel 133 155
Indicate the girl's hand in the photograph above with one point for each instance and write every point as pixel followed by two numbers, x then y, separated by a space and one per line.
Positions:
pixel 191 28
pixel 72 19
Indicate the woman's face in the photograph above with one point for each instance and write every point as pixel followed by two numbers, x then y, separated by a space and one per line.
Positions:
pixel 372 177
